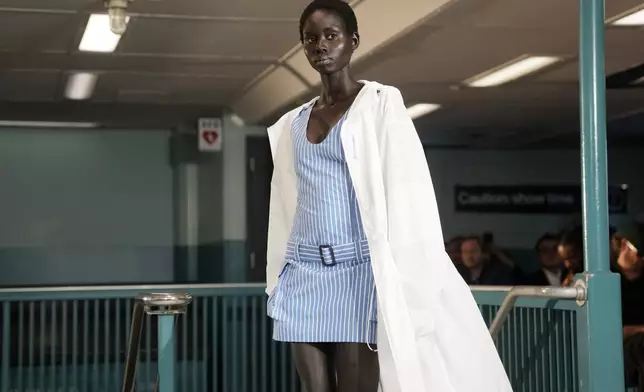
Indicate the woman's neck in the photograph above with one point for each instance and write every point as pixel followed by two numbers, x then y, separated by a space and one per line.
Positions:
pixel 338 87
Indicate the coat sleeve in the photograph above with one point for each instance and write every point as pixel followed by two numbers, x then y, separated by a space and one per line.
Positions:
pixel 409 191
pixel 277 230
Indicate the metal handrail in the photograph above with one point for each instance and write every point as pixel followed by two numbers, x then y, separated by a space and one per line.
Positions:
pixel 148 288
pixel 577 293
pixel 159 304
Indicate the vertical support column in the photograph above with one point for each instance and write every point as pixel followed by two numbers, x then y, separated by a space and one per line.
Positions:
pixel 234 203
pixel 593 137
pixel 187 222
pixel 600 349
pixel 167 366
pixel 184 160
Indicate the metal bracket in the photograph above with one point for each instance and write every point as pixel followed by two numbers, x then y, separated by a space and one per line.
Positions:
pixel 582 292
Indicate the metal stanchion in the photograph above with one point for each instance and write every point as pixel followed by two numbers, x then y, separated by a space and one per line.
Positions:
pixel 165 306
pixel 133 347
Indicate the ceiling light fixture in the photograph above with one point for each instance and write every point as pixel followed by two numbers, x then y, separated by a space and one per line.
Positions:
pixel 98 37
pixel 421 109
pixel 632 18
pixel 237 120
pixel 80 86
pixel 46 124
pixel 117 10
pixel 513 70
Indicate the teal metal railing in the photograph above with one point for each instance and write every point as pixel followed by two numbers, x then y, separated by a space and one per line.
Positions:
pixel 537 338
pixel 75 339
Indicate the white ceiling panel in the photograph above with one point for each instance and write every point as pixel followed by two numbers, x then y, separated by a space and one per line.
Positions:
pixel 28 85
pixel 621 53
pixel 238 39
pixel 40 32
pixel 277 9
pixel 165 88
pixel 452 55
pixel 67 5
pixel 205 53
pixel 542 14
pixel 625 43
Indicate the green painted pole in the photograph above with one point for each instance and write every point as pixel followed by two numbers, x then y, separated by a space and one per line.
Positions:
pixel 166 351
pixel 600 354
pixel 593 136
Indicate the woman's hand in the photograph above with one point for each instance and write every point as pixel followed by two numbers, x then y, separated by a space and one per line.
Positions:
pixel 628 259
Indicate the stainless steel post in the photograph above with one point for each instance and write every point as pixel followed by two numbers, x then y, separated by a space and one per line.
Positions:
pixel 166 306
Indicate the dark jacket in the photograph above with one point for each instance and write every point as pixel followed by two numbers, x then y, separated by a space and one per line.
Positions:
pixel 495 273
pixel 538 278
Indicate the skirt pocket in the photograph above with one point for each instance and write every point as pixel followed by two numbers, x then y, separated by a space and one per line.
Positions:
pixel 273 305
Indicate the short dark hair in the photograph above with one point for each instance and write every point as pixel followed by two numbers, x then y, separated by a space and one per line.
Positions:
pixel 544 238
pixel 573 236
pixel 340 7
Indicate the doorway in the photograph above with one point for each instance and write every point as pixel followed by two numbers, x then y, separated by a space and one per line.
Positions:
pixel 259 171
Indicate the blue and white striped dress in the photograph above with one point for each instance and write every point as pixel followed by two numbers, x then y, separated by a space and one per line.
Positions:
pixel 317 300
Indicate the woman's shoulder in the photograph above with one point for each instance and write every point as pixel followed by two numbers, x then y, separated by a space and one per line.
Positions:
pixel 387 99
pixel 384 92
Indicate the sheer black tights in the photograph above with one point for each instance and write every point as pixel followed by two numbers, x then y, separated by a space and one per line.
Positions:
pixel 336 367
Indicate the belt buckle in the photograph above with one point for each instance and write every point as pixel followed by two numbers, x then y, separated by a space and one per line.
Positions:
pixel 322 258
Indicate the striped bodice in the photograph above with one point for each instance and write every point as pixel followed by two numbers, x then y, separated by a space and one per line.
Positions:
pixel 327 210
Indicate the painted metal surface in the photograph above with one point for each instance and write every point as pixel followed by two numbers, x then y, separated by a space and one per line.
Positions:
pixel 51 341
pixel 600 346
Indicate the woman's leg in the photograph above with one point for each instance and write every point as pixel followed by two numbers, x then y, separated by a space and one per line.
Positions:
pixel 314 363
pixel 357 367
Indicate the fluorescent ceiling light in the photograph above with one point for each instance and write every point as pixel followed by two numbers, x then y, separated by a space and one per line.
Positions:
pixel 237 120
pixel 512 71
pixel 47 124
pixel 98 36
pixel 635 18
pixel 80 85
pixel 421 109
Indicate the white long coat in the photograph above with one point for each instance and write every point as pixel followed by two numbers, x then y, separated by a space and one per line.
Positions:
pixel 431 335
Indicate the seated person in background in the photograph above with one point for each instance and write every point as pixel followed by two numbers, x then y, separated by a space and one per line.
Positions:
pixel 571 253
pixel 478 268
pixel 626 261
pixel 453 249
pixel 551 272
pixel 495 254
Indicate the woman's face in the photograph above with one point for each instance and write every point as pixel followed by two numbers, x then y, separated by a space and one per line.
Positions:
pixel 327 45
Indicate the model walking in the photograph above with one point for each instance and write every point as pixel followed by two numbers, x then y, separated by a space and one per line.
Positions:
pixel 358 279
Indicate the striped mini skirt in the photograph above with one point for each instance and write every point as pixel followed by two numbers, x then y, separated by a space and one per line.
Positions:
pixel 325 294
